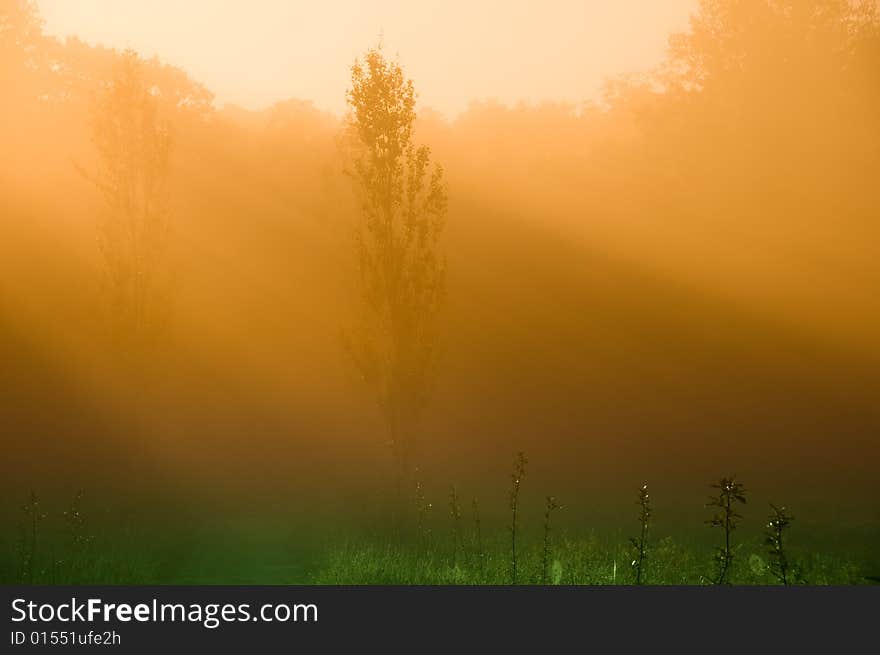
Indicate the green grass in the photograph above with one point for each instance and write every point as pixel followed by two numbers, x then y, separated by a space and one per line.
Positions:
pixel 84 543
pixel 581 561
pixel 267 552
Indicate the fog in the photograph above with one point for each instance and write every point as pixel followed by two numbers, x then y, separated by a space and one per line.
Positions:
pixel 676 282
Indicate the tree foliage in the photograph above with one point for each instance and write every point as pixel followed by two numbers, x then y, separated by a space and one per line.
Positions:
pixel 403 202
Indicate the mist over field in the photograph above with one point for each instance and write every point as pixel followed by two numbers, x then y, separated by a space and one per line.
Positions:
pixel 675 281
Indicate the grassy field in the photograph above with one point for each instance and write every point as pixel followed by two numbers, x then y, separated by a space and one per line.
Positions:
pixel 277 549
pixel 585 561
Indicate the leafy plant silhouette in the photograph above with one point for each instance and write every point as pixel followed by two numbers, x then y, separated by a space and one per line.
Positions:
pixel 640 543
pixel 778 522
pixel 730 492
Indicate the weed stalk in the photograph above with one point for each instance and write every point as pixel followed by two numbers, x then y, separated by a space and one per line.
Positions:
pixel 455 513
pixel 519 471
pixel 640 543
pixel 551 507
pixel 478 535
pixel 776 525
pixel 725 516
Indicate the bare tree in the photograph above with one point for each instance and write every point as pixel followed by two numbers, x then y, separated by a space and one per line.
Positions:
pixel 403 202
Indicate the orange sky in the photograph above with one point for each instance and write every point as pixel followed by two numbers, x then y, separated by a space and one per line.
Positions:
pixel 256 52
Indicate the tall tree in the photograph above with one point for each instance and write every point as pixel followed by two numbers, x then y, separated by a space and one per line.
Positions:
pixel 403 202
pixel 133 144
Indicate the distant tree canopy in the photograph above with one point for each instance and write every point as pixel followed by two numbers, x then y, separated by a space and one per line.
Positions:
pixel 23 49
pixel 20 25
pixel 20 29
pixel 762 125
pixel 403 201
pixel 780 68
pixel 756 40
pixel 70 71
